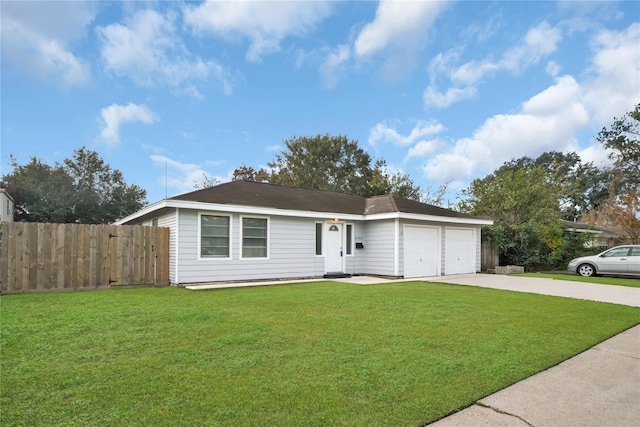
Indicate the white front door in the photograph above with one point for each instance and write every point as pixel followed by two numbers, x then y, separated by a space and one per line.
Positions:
pixel 333 248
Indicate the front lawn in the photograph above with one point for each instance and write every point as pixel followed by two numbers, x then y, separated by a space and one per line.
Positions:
pixel 601 280
pixel 324 353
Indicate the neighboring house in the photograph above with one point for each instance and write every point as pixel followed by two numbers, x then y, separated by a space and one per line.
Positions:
pixel 6 206
pixel 244 230
pixel 598 236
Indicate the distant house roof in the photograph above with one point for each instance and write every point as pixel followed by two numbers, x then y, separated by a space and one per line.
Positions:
pixel 588 228
pixel 239 196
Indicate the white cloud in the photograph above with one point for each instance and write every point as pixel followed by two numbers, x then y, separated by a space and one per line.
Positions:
pixel 397 22
pixel 276 147
pixel 547 121
pixel 334 65
pixel 116 115
pixel 147 50
pixel 183 176
pixel 39 38
pixel 539 42
pixel 265 24
pixel 433 98
pixel 553 69
pixel 613 85
pixel 383 133
pixel 423 148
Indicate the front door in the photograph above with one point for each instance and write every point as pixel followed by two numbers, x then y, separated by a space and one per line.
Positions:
pixel 333 248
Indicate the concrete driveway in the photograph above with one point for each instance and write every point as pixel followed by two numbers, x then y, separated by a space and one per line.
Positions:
pixel 623 295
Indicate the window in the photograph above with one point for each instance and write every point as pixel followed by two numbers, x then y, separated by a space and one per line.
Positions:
pixel 154 222
pixel 349 239
pixel 214 236
pixel 254 237
pixel 319 238
pixel 635 251
pixel 617 252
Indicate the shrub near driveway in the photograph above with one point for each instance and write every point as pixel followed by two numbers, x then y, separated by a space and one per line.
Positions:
pixel 321 353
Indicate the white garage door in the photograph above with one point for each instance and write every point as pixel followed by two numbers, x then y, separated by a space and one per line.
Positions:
pixel 459 251
pixel 421 250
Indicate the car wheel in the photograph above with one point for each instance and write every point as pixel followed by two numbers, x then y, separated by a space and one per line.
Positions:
pixel 586 270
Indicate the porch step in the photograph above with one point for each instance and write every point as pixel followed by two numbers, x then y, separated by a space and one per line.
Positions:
pixel 336 276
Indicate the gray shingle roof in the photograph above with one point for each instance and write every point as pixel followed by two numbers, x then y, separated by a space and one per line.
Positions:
pixel 258 194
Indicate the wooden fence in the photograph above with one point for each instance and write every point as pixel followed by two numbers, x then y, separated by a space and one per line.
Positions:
pixel 38 257
pixel 490 258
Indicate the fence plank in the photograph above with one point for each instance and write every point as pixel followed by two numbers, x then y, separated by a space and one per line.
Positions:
pixel 4 257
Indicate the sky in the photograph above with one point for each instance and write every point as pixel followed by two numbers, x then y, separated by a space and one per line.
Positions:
pixel 443 91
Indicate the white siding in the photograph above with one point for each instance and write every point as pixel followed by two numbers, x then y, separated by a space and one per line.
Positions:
pixel 379 248
pixel 6 207
pixel 170 221
pixel 355 262
pixel 291 252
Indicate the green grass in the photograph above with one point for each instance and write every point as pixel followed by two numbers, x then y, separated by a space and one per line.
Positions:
pixel 320 354
pixel 602 280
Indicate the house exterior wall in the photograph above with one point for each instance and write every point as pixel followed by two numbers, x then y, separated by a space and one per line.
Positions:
pixel 6 206
pixel 291 251
pixel 379 253
pixel 291 248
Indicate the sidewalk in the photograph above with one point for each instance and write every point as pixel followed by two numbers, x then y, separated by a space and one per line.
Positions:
pixel 600 387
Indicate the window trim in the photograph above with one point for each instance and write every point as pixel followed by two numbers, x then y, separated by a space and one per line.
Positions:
pixel 241 241
pixel 212 258
pixel 349 248
pixel 315 240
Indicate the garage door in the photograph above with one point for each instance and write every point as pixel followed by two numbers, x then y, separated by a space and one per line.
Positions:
pixel 421 250
pixel 459 251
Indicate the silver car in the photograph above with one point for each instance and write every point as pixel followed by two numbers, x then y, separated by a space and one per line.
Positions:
pixel 621 260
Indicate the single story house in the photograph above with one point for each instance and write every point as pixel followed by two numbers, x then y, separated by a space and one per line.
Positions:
pixel 598 236
pixel 244 231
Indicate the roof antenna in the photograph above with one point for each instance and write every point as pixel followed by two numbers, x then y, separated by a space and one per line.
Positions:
pixel 165 179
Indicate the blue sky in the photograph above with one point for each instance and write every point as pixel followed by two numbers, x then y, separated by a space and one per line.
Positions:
pixel 444 91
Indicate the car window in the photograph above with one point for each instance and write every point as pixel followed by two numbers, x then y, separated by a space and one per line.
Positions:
pixel 616 252
pixel 635 252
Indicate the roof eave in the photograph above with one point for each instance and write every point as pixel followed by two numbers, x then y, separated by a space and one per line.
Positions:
pixel 258 210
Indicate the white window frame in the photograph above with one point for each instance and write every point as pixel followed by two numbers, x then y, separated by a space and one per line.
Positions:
pixel 315 235
pixel 200 257
pixel 353 238
pixel 241 243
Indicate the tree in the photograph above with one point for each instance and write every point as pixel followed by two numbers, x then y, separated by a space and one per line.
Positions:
pixel 582 186
pixel 207 181
pixel 82 189
pixel 248 173
pixel 323 162
pixel 621 210
pixel 399 184
pixel 623 141
pixel 41 193
pixel 524 206
pixel 335 163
